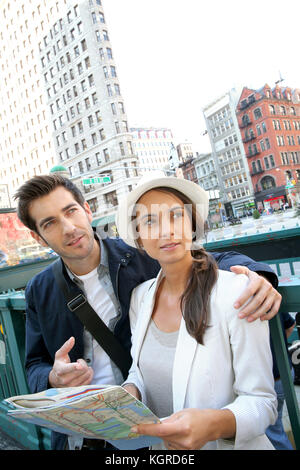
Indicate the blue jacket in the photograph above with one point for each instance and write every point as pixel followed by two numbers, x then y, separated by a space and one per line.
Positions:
pixel 49 322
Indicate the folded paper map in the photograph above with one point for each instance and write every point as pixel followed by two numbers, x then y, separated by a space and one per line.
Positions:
pixel 95 412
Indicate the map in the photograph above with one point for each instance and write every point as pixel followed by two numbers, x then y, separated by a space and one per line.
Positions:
pixel 93 412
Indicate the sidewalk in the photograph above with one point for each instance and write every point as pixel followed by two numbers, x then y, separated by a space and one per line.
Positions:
pixel 7 443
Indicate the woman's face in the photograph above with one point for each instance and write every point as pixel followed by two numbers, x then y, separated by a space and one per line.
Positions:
pixel 164 226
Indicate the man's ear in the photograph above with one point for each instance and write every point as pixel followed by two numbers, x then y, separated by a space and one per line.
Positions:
pixel 88 211
pixel 38 238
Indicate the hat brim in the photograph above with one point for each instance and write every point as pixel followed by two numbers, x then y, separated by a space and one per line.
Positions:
pixel 194 192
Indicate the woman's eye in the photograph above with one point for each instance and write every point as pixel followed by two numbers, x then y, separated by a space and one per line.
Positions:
pixel 177 215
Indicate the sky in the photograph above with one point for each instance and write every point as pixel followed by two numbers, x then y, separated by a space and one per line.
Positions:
pixel 175 57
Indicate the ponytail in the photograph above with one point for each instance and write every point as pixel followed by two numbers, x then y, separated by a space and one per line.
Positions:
pixel 195 300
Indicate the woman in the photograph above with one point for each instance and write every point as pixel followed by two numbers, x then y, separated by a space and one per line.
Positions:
pixel 194 360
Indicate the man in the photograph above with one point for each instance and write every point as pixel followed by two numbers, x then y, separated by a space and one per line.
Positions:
pixel 59 351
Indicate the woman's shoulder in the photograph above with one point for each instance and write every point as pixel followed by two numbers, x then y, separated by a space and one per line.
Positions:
pixel 228 288
pixel 142 289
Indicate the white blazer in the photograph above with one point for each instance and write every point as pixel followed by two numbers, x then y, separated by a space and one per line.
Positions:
pixel 233 369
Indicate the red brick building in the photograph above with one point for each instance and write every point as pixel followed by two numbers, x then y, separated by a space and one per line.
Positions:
pixel 269 121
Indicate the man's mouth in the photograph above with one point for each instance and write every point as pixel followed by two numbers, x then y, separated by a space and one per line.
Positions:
pixel 75 241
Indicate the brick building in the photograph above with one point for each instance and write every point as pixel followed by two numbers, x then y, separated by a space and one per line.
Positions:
pixel 269 121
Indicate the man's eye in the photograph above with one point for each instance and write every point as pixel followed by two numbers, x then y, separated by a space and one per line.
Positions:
pixel 48 224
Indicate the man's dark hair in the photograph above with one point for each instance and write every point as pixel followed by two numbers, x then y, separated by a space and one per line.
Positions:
pixel 40 186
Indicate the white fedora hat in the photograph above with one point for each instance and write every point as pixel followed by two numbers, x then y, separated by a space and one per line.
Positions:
pixel 193 191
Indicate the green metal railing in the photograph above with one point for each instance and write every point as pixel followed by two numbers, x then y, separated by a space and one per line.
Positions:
pixel 12 373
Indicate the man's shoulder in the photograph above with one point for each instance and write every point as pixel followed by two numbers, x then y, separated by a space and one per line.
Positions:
pixel 41 279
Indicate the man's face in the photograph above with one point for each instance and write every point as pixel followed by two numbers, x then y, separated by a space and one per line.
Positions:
pixel 63 225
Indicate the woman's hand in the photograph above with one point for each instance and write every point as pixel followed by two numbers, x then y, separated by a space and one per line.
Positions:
pixel 265 300
pixel 191 428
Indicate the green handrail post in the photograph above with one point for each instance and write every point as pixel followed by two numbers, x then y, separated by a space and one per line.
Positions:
pixel 286 377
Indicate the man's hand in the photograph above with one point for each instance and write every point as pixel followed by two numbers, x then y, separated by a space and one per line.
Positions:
pixel 66 373
pixel 266 300
pixel 133 390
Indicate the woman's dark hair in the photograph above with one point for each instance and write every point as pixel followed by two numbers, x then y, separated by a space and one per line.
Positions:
pixel 40 186
pixel 195 300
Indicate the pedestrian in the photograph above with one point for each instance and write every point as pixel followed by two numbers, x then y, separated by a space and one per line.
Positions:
pixel 60 351
pixel 195 363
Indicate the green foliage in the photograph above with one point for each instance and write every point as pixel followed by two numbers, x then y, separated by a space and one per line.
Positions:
pixel 256 214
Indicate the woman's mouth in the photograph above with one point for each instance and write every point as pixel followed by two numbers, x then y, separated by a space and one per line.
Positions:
pixel 169 246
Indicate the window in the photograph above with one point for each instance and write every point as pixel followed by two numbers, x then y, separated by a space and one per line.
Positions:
pixel 272 109
pixel 83 45
pixel 272 160
pixel 122 151
pixel 93 203
pixel 91 80
pixel 282 110
pixel 106 155
pixel 98 37
pixel 111 198
pixel 80 166
pixel 109 53
pixel 267 165
pixel 257 113
pixel 94 138
pixel 267 182
pixel 91 120
pixel 102 134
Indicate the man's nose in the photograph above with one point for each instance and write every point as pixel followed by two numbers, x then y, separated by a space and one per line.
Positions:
pixel 67 225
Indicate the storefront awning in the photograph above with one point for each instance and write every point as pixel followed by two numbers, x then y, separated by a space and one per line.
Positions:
pixel 102 221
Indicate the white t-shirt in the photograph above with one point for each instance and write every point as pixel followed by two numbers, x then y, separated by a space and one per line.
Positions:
pixel 104 307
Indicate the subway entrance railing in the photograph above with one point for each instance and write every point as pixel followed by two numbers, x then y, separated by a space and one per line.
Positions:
pixel 12 328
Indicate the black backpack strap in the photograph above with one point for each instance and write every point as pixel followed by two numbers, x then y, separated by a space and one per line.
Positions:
pixel 79 305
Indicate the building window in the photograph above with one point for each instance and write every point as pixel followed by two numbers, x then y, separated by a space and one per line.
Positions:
pixel 257 113
pixel 93 203
pixel 111 198
pixel 267 165
pixel 122 151
pixel 267 182
pixel 272 109
pixel 102 134
pixel 106 155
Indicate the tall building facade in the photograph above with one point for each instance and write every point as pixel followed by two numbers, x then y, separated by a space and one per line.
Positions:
pixel 269 120
pixel 236 192
pixel 152 146
pixel 83 123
